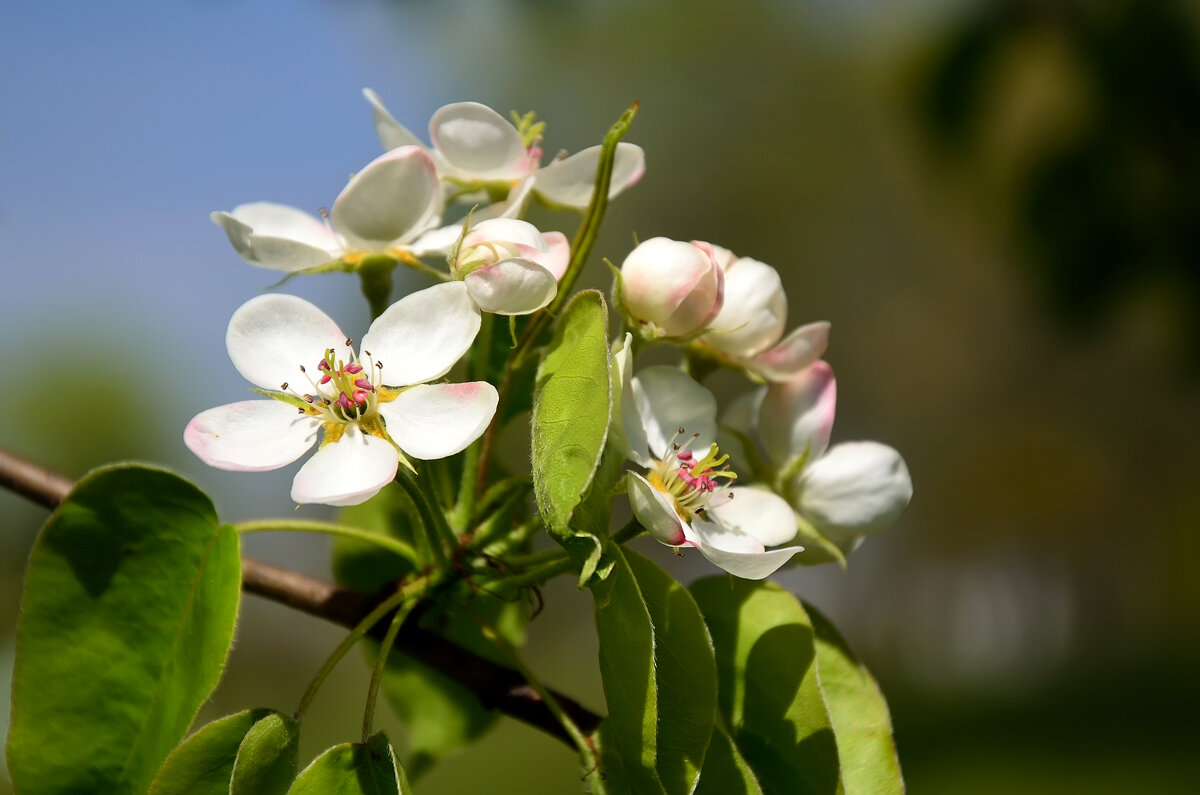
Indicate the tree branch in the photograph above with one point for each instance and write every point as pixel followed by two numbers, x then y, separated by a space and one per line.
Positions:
pixel 495 686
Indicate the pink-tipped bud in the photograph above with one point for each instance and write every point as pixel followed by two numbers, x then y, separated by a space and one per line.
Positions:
pixel 354 369
pixel 344 401
pixel 322 365
pixel 684 455
pixel 363 383
pixel 360 396
pixel 325 379
pixel 674 285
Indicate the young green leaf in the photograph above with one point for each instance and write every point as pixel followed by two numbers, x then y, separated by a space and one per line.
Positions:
pixel 267 759
pixel 203 764
pixel 859 713
pixel 770 696
pixel 354 769
pixel 571 409
pixel 659 673
pixel 725 772
pixel 127 616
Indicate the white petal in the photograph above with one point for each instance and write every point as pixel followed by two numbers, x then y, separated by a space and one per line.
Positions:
pixel 856 488
pixel 511 287
pixel 632 442
pixel 392 134
pixel 667 399
pixel 346 472
pixel 272 336
pixel 558 257
pixel 749 565
pixel 477 142
pixel 797 350
pixel 570 182
pixel 434 421
pixel 797 415
pixel 505 230
pixel 421 336
pixel 656 512
pixel 757 512
pixel 250 436
pixel 390 202
pixel 276 243
pixel 754 312
pixel 436 241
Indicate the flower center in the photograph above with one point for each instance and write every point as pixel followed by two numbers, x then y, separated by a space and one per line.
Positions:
pixel 692 481
pixel 483 254
pixel 343 393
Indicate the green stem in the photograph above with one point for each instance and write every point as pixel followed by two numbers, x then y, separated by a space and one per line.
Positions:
pixel 329 528
pixel 433 522
pixel 629 531
pixel 385 648
pixel 376 276
pixel 402 595
pixel 535 558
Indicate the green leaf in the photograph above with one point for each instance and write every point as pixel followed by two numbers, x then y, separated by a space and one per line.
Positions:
pixel 659 673
pixel 267 759
pixel 770 697
pixel 127 616
pixel 725 772
pixel 571 410
pixel 859 713
pixel 203 764
pixel 354 769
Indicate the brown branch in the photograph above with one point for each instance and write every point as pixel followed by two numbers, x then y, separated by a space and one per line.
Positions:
pixel 495 686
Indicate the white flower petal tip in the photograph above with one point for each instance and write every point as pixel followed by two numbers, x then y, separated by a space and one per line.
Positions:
pixel 476 142
pixel 278 237
pixel 754 310
pixel 346 472
pixel 571 181
pixel 750 565
pixel 674 287
pixel 797 351
pixel 558 257
pixel 390 201
pixel 421 336
pixel 796 416
pixel 511 287
pixel 250 436
pixel 392 134
pixel 439 420
pixel 855 489
pixel 667 399
pixel 271 337
pixel 655 512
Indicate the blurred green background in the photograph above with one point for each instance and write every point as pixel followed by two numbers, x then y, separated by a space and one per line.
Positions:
pixel 996 204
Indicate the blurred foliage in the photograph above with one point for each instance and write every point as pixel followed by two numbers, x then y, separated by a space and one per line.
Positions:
pixel 1110 205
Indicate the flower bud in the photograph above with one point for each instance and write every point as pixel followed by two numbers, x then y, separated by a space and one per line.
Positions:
pixel 674 287
pixel 754 313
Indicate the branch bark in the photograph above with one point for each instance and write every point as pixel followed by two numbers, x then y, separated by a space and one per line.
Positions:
pixel 495 686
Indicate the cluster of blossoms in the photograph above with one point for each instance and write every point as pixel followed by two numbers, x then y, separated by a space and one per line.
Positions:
pixel 750 493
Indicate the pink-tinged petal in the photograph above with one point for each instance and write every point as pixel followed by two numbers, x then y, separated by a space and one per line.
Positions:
pixel 656 512
pixel 754 311
pixel 559 255
pixel 390 202
pixel 436 420
pixel 346 472
pixel 505 230
pixel 674 285
pixel 272 336
pixel 570 182
pixel 511 287
pixel 421 336
pixel 757 512
pixel 250 436
pixel 278 237
pixel 855 489
pixel 477 142
pixel 797 415
pixel 668 399
pixel 797 350
pixel 392 134
pixel 749 565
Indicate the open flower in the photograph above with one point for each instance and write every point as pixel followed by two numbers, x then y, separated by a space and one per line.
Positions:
pixel 751 320
pixel 474 145
pixel 509 267
pixel 670 288
pixel 370 409
pixel 390 207
pixel 686 497
pixel 844 492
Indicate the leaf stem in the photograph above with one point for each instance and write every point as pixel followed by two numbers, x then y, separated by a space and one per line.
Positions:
pixel 405 594
pixel 385 649
pixel 329 528
pixel 433 522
